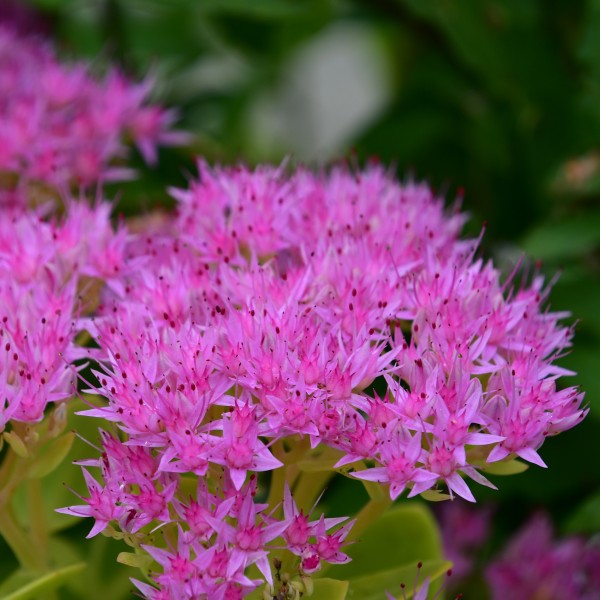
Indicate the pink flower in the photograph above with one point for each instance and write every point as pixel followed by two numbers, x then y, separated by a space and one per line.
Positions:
pixel 300 531
pixel 400 455
pixel 61 126
pixel 103 504
pixel 240 449
pixel 273 307
pixel 534 565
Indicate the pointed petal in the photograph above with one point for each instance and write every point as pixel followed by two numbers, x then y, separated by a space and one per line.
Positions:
pixel 530 455
pixel 378 474
pixel 457 484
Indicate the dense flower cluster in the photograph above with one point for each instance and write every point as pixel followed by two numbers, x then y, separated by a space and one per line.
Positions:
pixel 333 310
pixel 60 126
pixel 534 565
pixel 279 324
pixel 46 267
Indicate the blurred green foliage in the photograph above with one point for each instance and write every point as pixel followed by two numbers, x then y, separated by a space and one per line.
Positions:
pixel 500 98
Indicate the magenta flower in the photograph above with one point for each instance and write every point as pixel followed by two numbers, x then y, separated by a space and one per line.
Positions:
pixel 61 126
pixel 103 504
pixel 240 449
pixel 400 455
pixel 533 565
pixel 248 539
pixel 262 318
pixel 300 532
pixel 43 261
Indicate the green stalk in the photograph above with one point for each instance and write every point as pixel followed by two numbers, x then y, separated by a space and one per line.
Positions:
pixel 39 533
pixel 7 467
pixel 277 477
pixel 309 486
pixel 18 541
pixel 289 473
pixel 276 489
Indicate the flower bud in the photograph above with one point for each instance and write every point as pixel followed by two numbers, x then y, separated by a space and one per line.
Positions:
pixel 309 586
pixel 16 443
pixel 58 420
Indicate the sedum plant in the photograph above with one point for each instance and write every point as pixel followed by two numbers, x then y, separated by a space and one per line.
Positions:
pixel 280 328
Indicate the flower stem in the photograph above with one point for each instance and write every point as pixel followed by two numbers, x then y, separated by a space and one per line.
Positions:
pixel 18 541
pixel 289 472
pixel 7 467
pixel 277 478
pixel 39 533
pixel 309 486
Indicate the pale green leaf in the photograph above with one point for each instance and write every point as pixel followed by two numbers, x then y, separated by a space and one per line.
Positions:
pixel 316 465
pixel 434 496
pixel 57 485
pixel 505 467
pixel 374 586
pixel 17 579
pixel 406 534
pixel 50 456
pixel 131 559
pixel 39 588
pixel 16 443
pixel 329 589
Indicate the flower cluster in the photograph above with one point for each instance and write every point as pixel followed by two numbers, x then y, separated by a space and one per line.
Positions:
pixel 533 565
pixel 47 267
pixel 61 126
pixel 279 314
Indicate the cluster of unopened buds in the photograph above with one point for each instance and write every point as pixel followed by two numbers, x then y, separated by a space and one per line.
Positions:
pixel 281 327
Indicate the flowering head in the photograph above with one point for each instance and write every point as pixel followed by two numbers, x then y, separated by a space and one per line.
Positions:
pixel 279 320
pixel 62 126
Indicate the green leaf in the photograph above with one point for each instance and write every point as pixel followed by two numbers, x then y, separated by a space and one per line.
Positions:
pixel 16 443
pixel 265 9
pixel 571 236
pixel 584 359
pixel 374 586
pixel 329 589
pixel 103 578
pixel 581 297
pixel 17 579
pixel 50 456
pixel 46 583
pixel 509 467
pixel 320 464
pixel 435 496
pixel 57 484
pixel 131 559
pixel 406 534
pixel 586 518
pixel 323 589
